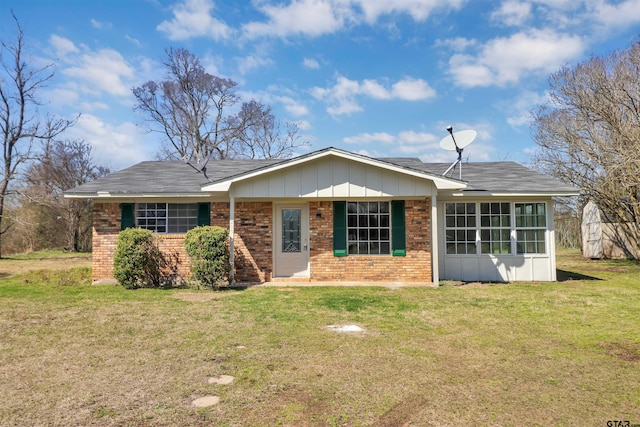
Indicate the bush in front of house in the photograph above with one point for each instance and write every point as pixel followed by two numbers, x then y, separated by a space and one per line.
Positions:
pixel 209 252
pixel 137 261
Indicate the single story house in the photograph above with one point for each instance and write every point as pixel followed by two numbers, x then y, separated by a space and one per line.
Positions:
pixel 334 215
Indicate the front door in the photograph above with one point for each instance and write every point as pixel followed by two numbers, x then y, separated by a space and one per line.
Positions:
pixel 291 241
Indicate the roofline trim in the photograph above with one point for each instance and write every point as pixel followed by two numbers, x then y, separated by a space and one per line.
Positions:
pixel 481 193
pixel 107 195
pixel 440 182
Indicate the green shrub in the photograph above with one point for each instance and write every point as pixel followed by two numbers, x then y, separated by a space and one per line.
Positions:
pixel 209 252
pixel 137 261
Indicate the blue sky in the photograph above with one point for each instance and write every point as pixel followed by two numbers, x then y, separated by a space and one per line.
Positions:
pixel 377 77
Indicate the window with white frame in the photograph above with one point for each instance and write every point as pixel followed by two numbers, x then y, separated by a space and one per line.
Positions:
pixel 167 217
pixel 460 228
pixel 495 228
pixel 495 223
pixel 531 226
pixel 368 228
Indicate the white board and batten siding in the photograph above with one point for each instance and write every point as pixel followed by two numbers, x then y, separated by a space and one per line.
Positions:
pixel 499 268
pixel 333 178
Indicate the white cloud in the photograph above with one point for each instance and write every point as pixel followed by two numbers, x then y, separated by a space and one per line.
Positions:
pixel 192 18
pixel 62 46
pixel 342 96
pixel 310 63
pixel 412 90
pixel 616 16
pixel 458 43
pixel 253 62
pixel 512 12
pixel 102 71
pixel 504 61
pixel 368 138
pixel 300 17
pixel 518 111
pixel 99 24
pixel 419 10
pixel 115 146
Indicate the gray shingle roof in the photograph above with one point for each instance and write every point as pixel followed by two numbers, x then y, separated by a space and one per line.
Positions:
pixel 175 177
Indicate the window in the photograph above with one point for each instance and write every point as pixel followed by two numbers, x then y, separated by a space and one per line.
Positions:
pixel 495 228
pixel 460 228
pixel 167 217
pixel 368 228
pixel 531 225
pixel 498 225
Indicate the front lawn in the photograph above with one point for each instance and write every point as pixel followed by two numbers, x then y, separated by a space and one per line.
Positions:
pixel 564 353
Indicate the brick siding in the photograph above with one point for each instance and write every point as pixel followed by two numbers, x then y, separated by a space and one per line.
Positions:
pixel 414 267
pixel 254 238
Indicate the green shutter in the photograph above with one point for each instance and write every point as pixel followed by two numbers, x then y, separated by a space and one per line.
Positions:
pixel 398 245
pixel 339 228
pixel 204 214
pixel 127 218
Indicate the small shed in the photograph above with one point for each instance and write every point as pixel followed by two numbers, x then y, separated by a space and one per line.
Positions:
pixel 603 238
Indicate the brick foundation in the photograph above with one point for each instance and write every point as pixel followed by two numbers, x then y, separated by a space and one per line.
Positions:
pixel 254 239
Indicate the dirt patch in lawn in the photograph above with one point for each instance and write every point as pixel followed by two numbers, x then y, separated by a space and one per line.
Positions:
pixel 18 265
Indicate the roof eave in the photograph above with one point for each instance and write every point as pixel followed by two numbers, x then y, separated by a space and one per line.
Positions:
pixel 486 193
pixel 109 195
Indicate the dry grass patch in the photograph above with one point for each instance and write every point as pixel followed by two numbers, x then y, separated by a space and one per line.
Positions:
pixel 495 354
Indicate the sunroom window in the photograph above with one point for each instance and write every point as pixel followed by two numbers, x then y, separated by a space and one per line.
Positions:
pixel 495 228
pixel 460 228
pixel 531 225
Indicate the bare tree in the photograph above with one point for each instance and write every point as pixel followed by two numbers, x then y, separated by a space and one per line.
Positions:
pixel 589 135
pixel 194 111
pixel 20 121
pixel 63 165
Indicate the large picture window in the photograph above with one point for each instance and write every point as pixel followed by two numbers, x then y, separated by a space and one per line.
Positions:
pixel 167 217
pixel 368 228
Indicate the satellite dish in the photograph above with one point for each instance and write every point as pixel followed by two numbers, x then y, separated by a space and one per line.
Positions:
pixel 457 142
pixel 459 139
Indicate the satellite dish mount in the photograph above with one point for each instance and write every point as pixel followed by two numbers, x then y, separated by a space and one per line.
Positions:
pixel 464 138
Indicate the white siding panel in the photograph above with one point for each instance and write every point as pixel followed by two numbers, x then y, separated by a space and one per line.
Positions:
pixel 406 185
pixel 292 182
pixel 373 187
pixel 276 185
pixel 260 187
pixel 325 179
pixel 389 185
pixel 357 180
pixel 334 177
pixel 309 181
pixel 340 174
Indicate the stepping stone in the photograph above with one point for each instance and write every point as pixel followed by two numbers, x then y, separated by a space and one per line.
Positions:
pixel 221 380
pixel 345 328
pixel 206 401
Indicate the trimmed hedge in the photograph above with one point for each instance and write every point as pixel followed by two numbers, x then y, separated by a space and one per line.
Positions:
pixel 207 246
pixel 137 261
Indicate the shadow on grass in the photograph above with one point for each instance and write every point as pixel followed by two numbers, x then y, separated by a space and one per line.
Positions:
pixel 564 276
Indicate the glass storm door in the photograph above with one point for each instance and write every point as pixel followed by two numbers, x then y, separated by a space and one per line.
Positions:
pixel 292 241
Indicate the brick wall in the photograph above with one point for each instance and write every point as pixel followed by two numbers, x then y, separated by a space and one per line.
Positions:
pixel 414 267
pixel 253 243
pixel 254 238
